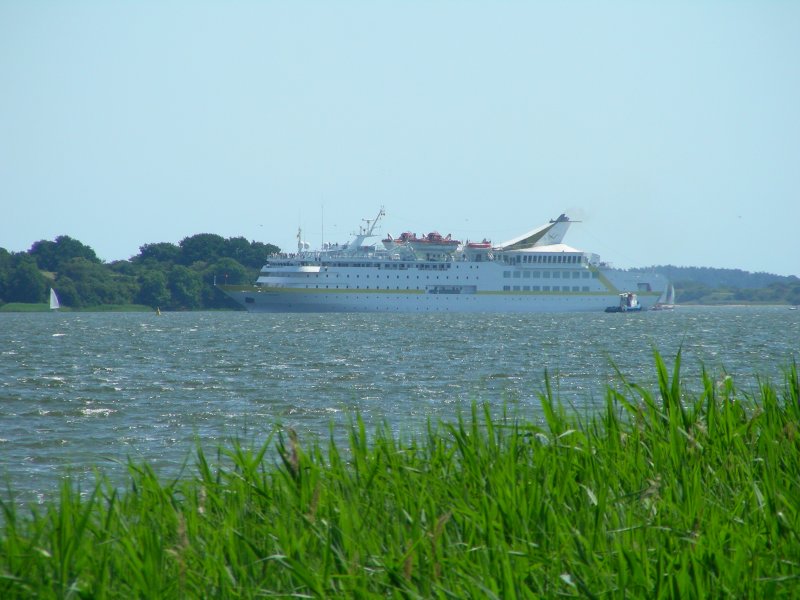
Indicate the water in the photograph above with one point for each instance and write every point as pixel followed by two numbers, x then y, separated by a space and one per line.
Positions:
pixel 85 390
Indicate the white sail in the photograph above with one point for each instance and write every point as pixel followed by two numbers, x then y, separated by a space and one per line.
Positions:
pixel 670 295
pixel 54 303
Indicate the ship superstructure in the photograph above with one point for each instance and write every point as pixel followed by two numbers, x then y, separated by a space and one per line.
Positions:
pixel 534 272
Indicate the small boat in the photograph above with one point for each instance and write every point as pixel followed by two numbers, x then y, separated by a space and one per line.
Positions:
pixel 628 302
pixel 669 300
pixel 54 303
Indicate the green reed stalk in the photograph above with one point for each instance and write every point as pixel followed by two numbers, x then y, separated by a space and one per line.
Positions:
pixel 662 494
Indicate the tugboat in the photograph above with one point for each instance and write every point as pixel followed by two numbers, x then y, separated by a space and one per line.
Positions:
pixel 628 302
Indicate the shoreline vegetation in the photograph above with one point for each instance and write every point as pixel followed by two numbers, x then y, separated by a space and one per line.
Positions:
pixel 22 307
pixel 666 493
pixel 183 276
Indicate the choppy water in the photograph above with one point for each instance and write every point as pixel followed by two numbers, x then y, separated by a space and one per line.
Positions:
pixel 79 390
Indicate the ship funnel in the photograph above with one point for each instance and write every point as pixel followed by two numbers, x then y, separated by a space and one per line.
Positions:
pixel 546 235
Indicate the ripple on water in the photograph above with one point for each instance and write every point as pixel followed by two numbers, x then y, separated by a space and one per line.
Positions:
pixel 115 386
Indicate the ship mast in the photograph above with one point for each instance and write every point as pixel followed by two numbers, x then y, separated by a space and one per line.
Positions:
pixel 365 231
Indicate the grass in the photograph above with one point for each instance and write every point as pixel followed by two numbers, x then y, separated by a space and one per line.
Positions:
pixel 664 494
pixel 24 307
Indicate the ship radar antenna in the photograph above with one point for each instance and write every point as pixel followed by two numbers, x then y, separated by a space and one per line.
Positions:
pixel 371 223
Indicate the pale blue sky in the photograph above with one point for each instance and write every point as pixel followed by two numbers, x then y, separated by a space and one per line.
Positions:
pixel 671 130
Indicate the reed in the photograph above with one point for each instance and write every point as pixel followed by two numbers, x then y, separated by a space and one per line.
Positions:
pixel 665 493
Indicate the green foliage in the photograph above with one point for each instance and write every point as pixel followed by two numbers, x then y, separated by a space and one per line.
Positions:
pixel 252 255
pixel 163 275
pixel 722 278
pixel 184 286
pixel 203 247
pixel 25 282
pixel 50 255
pixel 228 271
pixel 68 294
pixel 94 283
pixel 774 293
pixel 664 494
pixel 163 252
pixel 153 289
pixel 704 285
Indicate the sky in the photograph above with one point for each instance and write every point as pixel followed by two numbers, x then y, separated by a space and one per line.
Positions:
pixel 670 131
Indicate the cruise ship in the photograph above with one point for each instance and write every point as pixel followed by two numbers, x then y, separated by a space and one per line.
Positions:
pixel 534 272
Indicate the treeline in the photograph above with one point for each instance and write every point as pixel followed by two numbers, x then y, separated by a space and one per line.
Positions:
pixel 722 278
pixel 688 292
pixel 170 276
pixel 705 285
pixel 181 276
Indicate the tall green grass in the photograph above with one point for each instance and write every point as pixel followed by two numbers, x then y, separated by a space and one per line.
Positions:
pixel 664 494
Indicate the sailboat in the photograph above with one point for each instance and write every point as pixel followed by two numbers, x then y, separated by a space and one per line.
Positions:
pixel 669 300
pixel 54 303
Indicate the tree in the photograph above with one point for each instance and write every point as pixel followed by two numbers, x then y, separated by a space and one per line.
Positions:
pixel 203 247
pixel 26 283
pixel 259 253
pixel 67 292
pixel 50 255
pixel 95 283
pixel 5 272
pixel 162 252
pixel 184 285
pixel 153 290
pixel 227 271
pixel 793 295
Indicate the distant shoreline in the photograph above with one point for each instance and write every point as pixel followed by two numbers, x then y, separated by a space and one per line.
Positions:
pixel 21 307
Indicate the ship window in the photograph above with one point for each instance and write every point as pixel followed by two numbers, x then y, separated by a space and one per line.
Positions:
pixel 585 274
pixel 585 288
pixel 526 288
pixel 506 274
pixel 506 288
pixel 516 288
pixel 576 288
pixel 595 274
pixel 556 274
pixel 516 275
pixel 546 288
pixel 546 274
pixel 536 288
pixel 526 275
pixel 566 274
pixel 576 274
pixel 537 274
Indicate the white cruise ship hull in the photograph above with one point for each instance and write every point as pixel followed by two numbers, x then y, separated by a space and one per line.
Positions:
pixel 260 300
